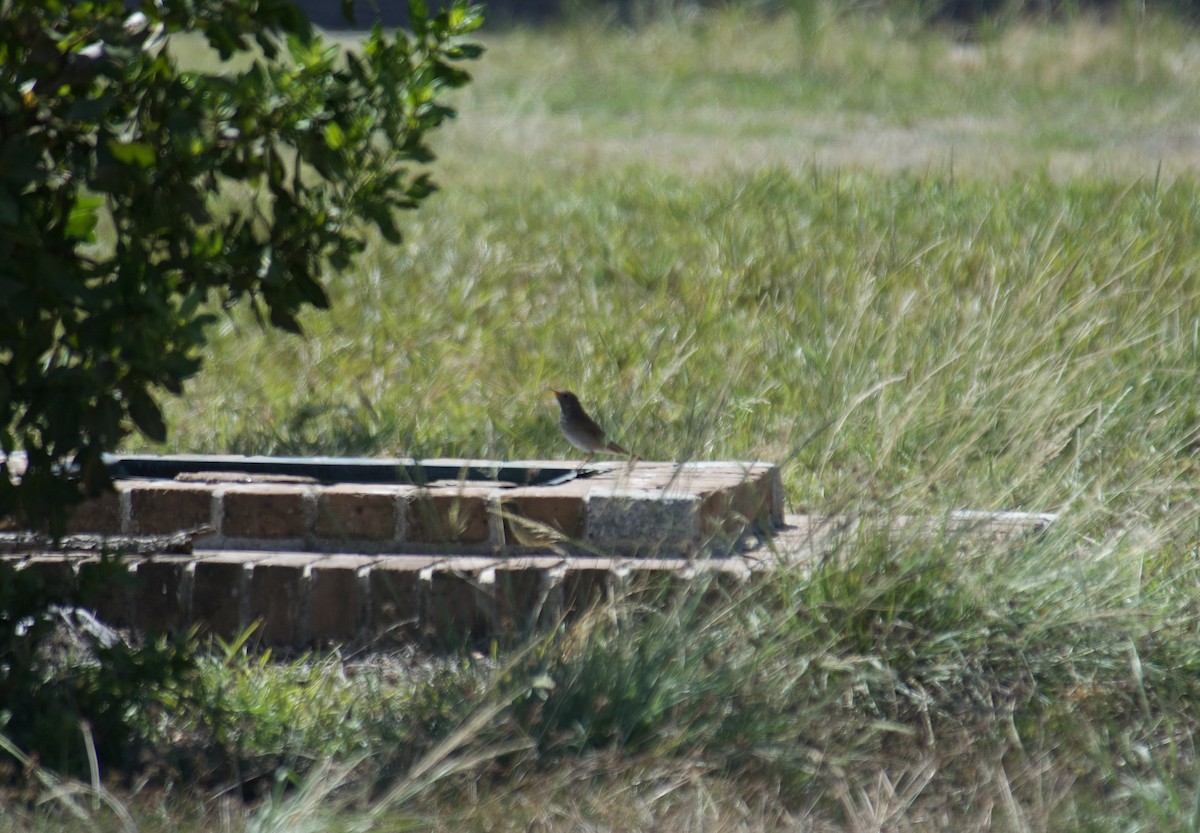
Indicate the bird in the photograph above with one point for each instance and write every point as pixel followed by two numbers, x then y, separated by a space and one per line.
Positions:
pixel 581 430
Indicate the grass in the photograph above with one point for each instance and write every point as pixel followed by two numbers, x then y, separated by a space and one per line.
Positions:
pixel 881 337
pixel 712 93
pixel 919 274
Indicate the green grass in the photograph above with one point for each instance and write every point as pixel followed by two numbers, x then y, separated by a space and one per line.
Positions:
pixel 719 92
pixel 954 326
pixel 995 344
pixel 918 274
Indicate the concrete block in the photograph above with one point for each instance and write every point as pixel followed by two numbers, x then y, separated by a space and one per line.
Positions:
pixel 642 522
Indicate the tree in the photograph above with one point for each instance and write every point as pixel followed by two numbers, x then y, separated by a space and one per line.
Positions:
pixel 137 196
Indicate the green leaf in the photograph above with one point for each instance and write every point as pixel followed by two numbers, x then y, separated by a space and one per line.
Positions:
pixel 10 211
pixel 357 71
pixel 465 19
pixel 92 109
pixel 140 154
pixel 145 413
pixel 285 320
pixel 418 16
pixel 20 161
pixel 312 292
pixel 81 223
pixel 421 187
pixel 464 51
pixel 450 76
pixel 335 137
pixel 200 142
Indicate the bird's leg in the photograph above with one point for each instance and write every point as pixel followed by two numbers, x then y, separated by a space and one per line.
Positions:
pixel 586 460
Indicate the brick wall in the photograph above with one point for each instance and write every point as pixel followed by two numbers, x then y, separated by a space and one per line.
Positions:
pixel 645 509
pixel 315 564
pixel 301 600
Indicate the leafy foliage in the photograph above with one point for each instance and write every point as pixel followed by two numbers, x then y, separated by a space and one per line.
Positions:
pixel 57 697
pixel 135 194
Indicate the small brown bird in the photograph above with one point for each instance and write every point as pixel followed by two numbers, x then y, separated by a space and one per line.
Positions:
pixel 581 430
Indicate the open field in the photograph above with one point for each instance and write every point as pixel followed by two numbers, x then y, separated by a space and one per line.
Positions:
pixel 606 226
pixel 712 95
pixel 919 274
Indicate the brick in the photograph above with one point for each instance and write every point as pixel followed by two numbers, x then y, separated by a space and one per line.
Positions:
pixel 773 481
pixel 753 499
pixel 395 594
pixel 764 491
pixel 219 593
pixel 353 512
pixel 560 509
pixel 458 607
pixel 731 509
pixel 736 496
pixel 163 507
pixel 584 587
pixel 441 516
pixel 277 598
pixel 651 586
pixel 100 515
pixel 719 583
pixel 337 599
pixel 265 511
pixel 162 595
pixel 517 591
pixel 110 590
pixel 55 573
